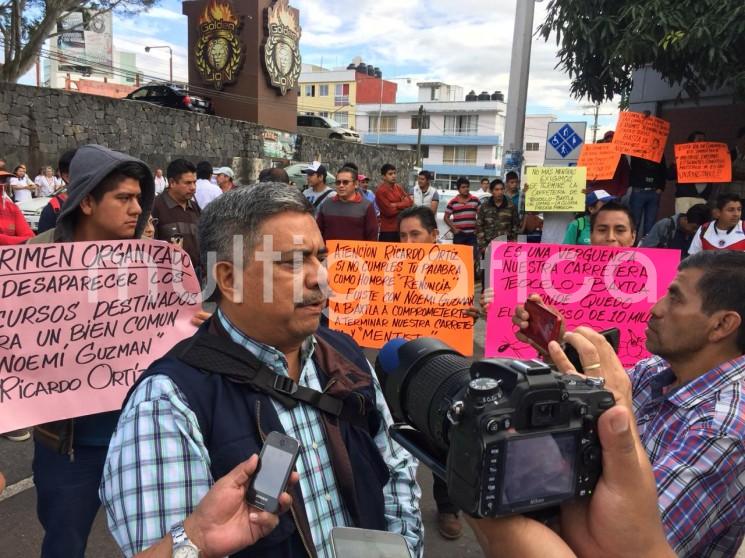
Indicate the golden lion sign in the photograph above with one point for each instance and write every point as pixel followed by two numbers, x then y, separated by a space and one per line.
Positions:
pixel 218 52
pixel 282 46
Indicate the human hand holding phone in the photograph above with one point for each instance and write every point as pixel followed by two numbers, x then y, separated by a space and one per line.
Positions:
pixel 224 523
pixel 538 324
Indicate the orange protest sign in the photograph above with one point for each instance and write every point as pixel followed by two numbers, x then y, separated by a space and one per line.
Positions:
pixel 381 291
pixel 641 136
pixel 600 159
pixel 703 161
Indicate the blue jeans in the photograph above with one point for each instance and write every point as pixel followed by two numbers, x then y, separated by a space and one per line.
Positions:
pixel 644 205
pixel 67 498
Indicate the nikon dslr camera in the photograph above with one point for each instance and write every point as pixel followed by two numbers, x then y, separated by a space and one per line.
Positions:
pixel 508 436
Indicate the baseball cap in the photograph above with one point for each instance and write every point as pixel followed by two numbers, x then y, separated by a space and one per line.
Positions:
pixel 315 167
pixel 361 177
pixel 598 195
pixel 227 171
pixel 6 173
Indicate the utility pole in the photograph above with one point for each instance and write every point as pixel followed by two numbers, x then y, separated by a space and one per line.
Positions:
pixel 595 113
pixel 420 117
pixel 517 94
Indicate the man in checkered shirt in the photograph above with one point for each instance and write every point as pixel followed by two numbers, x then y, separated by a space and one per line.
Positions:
pixel 689 401
pixel 184 426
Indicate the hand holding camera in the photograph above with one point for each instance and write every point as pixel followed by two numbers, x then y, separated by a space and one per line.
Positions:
pixel 587 352
pixel 620 519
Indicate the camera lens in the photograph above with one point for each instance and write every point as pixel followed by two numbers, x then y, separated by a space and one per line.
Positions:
pixel 423 386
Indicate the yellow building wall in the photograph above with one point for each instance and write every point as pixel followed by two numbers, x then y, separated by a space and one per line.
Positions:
pixel 327 103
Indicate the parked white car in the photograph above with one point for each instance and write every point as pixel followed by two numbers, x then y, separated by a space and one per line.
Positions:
pixel 32 209
pixel 446 236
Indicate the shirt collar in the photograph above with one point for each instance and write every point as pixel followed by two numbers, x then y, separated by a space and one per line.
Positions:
pixel 702 388
pixel 171 203
pixel 356 198
pixel 267 354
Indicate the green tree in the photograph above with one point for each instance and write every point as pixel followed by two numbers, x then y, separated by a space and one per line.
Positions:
pixel 26 24
pixel 694 44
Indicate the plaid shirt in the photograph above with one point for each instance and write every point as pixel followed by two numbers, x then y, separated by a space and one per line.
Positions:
pixel 158 438
pixel 694 436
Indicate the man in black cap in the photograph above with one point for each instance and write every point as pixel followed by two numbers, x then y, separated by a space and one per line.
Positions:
pixel 317 190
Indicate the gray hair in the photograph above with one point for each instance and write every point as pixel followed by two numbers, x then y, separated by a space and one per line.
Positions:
pixel 241 212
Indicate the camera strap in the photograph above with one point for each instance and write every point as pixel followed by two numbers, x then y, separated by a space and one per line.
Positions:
pixel 214 353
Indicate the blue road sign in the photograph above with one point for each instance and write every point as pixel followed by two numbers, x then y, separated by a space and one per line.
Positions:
pixel 565 140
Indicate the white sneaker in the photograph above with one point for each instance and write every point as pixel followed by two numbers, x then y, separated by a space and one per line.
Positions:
pixel 18 435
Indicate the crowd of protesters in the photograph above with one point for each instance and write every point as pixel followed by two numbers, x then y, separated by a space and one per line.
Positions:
pixel 353 473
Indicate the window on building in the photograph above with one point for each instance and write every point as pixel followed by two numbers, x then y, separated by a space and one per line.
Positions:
pixel 532 146
pixel 342 118
pixel 341 94
pixel 310 90
pixel 459 155
pixel 387 124
pixel 425 151
pixel 415 122
pixel 323 90
pixel 462 125
pixel 323 113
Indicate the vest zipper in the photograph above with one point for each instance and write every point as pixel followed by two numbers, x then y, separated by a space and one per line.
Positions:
pixel 71 451
pixel 292 511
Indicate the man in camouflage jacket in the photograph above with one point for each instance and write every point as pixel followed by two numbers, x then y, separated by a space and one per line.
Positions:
pixel 497 216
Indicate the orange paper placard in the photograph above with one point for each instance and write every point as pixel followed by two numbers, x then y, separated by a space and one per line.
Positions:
pixel 703 161
pixel 381 291
pixel 641 136
pixel 600 159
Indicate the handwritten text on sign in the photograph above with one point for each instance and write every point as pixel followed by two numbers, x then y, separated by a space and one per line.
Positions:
pixel 703 161
pixel 597 286
pixel 381 291
pixel 555 189
pixel 641 136
pixel 600 160
pixel 81 321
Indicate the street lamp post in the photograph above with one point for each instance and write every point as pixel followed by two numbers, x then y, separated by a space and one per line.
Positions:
pixel 170 58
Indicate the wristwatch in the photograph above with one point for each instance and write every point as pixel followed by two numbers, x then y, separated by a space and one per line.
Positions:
pixel 182 546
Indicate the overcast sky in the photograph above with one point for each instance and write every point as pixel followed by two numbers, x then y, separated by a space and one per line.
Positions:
pixel 425 40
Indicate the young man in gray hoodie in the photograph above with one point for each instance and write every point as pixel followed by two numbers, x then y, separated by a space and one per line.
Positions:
pixel 109 198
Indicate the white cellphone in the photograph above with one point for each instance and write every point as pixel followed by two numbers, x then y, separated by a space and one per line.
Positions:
pixel 349 542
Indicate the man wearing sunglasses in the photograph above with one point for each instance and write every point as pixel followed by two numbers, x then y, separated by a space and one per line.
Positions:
pixel 348 215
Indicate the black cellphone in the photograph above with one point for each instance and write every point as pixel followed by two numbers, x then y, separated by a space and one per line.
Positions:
pixel 276 462
pixel 612 335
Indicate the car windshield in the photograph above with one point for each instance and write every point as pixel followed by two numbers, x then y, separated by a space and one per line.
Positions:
pixel 444 199
pixel 333 123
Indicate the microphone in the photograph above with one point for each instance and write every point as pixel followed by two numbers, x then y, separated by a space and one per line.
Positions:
pixel 388 358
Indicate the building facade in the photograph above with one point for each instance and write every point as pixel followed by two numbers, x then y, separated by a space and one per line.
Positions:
pixel 459 136
pixel 337 93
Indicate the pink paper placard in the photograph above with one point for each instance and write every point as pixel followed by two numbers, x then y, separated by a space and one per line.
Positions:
pixel 596 286
pixel 79 322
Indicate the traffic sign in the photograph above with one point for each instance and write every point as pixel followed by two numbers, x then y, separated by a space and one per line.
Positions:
pixel 563 143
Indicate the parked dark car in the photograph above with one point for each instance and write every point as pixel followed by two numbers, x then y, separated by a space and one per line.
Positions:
pixel 172 96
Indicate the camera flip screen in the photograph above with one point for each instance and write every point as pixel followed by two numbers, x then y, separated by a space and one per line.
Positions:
pixel 539 467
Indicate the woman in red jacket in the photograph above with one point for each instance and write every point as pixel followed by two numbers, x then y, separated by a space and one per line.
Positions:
pixel 13 226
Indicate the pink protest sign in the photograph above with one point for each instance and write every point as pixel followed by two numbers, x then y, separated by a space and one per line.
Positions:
pixel 81 321
pixel 596 286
